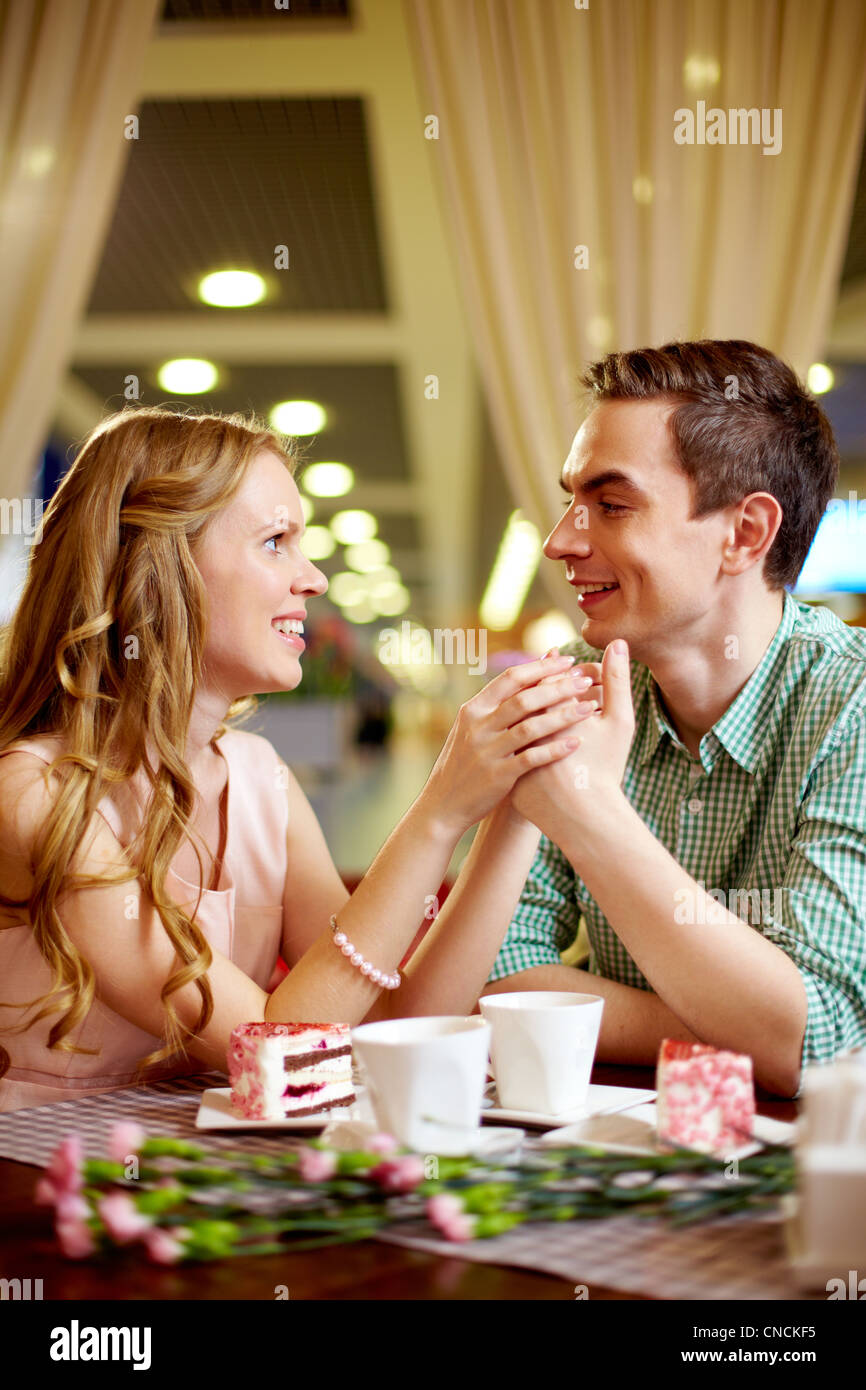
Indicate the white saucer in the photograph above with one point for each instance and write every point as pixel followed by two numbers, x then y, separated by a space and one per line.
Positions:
pixel 601 1100
pixel 634 1132
pixel 215 1112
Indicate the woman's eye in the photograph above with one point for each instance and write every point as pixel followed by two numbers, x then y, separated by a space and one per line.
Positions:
pixel 277 537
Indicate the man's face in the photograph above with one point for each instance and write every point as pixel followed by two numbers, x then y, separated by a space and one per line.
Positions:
pixel 254 571
pixel 632 531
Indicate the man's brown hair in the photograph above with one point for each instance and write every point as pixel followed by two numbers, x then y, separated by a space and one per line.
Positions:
pixel 743 422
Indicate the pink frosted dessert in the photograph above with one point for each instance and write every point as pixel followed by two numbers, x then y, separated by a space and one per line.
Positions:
pixel 706 1097
pixel 287 1069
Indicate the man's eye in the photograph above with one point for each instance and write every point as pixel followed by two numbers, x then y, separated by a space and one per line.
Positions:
pixel 278 536
pixel 612 507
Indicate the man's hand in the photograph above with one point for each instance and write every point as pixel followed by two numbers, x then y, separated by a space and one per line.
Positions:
pixel 555 796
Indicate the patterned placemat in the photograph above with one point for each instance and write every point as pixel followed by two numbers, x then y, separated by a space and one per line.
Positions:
pixel 740 1257
pixel 164 1108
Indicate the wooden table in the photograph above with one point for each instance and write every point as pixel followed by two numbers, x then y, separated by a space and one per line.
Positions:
pixel 368 1270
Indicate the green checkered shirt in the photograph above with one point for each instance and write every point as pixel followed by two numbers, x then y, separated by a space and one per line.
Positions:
pixel 775 807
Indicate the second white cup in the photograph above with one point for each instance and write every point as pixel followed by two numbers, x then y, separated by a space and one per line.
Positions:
pixel 543 1045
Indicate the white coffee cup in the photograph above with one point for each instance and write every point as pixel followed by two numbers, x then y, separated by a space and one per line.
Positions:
pixel 426 1078
pixel 543 1045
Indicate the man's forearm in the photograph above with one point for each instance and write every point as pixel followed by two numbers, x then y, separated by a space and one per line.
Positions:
pixel 633 1023
pixel 728 983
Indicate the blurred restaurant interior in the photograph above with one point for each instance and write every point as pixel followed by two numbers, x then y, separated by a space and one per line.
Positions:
pixel 426 218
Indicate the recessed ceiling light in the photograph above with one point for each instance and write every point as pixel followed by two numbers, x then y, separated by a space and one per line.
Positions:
pixel 367 555
pixel 395 600
pixel 820 378
pixel 328 479
pixel 231 289
pixel 317 543
pixel 362 612
pixel 298 417
pixel 187 376
pixel 350 527
pixel 346 589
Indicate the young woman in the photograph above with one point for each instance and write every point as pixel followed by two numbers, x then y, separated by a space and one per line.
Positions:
pixel 168 584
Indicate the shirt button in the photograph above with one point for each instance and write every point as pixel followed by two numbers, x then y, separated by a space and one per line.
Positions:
pixel 695 806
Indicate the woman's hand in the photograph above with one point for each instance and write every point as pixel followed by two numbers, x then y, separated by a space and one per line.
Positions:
pixel 494 739
pixel 554 798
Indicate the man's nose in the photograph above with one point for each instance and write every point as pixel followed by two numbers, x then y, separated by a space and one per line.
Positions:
pixel 565 539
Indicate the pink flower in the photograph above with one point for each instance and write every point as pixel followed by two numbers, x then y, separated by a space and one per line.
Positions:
pixel 71 1207
pixel 400 1174
pixel 126 1138
pixel 164 1244
pixel 382 1144
pixel 316 1165
pixel 76 1240
pixel 63 1174
pixel 446 1212
pixel 123 1221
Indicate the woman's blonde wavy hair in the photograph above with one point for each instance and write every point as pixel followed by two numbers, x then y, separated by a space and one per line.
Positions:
pixel 115 563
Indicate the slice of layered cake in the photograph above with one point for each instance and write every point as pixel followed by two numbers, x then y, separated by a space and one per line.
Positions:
pixel 706 1097
pixel 289 1069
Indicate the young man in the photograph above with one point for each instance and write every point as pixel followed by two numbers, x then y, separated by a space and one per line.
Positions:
pixel 711 827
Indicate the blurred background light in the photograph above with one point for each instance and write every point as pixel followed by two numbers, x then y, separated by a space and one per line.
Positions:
pixel 820 378
pixel 350 527
pixel 328 479
pixel 317 543
pixel 513 572
pixel 298 417
pixel 187 376
pixel 367 555
pixel 231 289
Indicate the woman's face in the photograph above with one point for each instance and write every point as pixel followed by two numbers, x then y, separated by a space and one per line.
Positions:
pixel 252 566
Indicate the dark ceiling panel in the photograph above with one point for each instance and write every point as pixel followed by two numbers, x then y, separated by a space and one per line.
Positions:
pixel 212 185
pixel 365 425
pixel 254 9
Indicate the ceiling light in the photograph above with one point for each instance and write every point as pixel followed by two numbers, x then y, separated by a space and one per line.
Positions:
pixel 552 629
pixel 395 600
pixel 317 543
pixel 345 588
pixel 513 571
pixel 328 479
pixel 187 376
pixel 298 417
pixel 362 612
pixel 383 580
pixel 232 289
pixel 352 526
pixel 367 556
pixel 820 378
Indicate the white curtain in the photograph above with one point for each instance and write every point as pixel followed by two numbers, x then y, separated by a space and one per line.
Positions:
pixel 556 131
pixel 68 81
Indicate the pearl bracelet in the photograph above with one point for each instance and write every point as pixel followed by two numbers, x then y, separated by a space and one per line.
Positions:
pixel 378 977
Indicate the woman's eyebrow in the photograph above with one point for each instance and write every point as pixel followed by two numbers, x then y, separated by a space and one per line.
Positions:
pixel 290 527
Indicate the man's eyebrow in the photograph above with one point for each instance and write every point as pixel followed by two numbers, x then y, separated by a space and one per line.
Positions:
pixel 291 527
pixel 610 475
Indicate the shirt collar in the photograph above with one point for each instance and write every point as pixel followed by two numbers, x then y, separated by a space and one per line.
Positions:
pixel 745 726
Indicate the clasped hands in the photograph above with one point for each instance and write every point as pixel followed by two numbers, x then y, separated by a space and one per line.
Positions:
pixel 538 740
pixel 556 795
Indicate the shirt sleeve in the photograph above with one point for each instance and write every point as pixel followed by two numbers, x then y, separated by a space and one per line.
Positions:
pixel 547 916
pixel 821 921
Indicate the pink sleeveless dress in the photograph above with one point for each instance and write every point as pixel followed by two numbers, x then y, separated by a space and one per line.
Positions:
pixel 243 919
